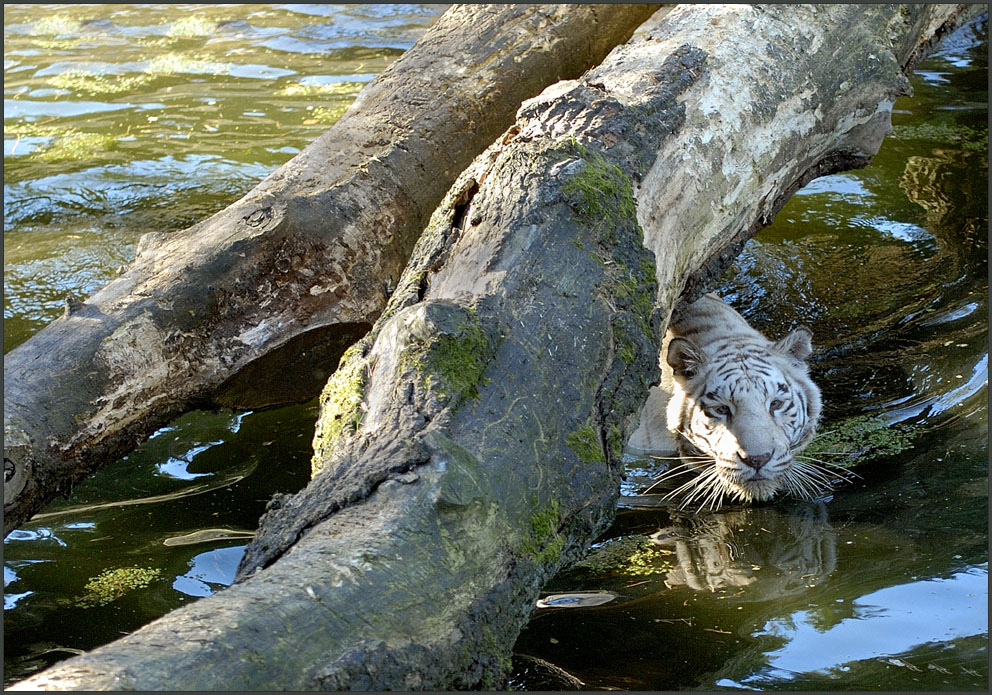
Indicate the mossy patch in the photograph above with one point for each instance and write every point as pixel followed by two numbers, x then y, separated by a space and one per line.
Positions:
pixel 110 585
pixel 600 193
pixel 542 541
pixel 340 406
pixel 859 439
pixel 452 364
pixel 629 556
pixel 615 440
pixel 584 443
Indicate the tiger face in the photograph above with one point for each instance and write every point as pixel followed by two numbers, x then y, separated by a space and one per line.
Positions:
pixel 741 409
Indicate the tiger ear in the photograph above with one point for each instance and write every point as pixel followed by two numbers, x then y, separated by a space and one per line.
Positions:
pixel 684 357
pixel 798 344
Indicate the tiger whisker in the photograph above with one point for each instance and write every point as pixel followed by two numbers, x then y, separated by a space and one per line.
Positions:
pixel 800 486
pixel 825 468
pixel 672 472
pixel 678 458
pixel 707 481
pixel 828 465
pixel 702 481
pixel 715 498
pixel 811 480
pixel 685 486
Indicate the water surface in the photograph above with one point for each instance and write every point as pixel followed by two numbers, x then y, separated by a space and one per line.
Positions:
pixel 125 119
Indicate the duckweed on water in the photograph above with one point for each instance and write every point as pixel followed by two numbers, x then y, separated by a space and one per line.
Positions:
pixel 859 439
pixel 110 585
pixel 56 25
pixel 321 114
pixel 72 145
pixel 176 63
pixel 628 555
pixel 99 83
pixel 193 26
pixel 973 139
pixel 298 89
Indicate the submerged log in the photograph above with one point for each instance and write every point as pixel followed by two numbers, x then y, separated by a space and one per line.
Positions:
pixel 469 445
pixel 254 306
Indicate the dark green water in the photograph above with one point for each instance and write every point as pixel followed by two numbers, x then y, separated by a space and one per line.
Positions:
pixel 882 586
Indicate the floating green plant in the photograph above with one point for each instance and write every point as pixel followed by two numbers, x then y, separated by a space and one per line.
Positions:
pixel 860 438
pixel 966 137
pixel 72 145
pixel 177 63
pixel 27 129
pixel 628 555
pixel 110 585
pixel 56 25
pixel 321 114
pixel 299 89
pixel 99 83
pixel 195 25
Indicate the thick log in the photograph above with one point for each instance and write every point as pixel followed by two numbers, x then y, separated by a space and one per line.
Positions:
pixel 254 306
pixel 468 446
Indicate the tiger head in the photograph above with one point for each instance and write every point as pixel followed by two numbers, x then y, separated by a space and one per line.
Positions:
pixel 741 410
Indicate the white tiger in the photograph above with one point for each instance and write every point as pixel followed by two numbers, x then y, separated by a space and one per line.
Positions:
pixel 736 407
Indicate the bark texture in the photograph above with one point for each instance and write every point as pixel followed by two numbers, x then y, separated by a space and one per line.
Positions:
pixel 468 446
pixel 254 306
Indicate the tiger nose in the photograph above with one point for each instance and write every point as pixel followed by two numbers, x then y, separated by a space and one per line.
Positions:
pixel 757 461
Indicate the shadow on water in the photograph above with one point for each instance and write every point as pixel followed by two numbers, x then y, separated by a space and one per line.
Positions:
pixel 884 584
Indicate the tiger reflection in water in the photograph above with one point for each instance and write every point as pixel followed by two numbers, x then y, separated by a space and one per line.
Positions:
pixel 787 548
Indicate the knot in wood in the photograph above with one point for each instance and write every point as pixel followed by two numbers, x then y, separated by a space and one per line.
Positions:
pixel 258 217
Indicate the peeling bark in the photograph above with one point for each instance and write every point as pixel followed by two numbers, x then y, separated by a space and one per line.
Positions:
pixel 254 306
pixel 444 496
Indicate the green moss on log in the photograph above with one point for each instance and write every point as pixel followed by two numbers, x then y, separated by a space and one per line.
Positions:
pixel 584 443
pixel 542 541
pixel 452 364
pixel 340 406
pixel 600 193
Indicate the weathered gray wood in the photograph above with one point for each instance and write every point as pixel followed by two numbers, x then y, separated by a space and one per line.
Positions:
pixel 254 306
pixel 468 446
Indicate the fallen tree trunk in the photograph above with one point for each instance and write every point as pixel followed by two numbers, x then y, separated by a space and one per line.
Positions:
pixel 469 445
pixel 254 306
